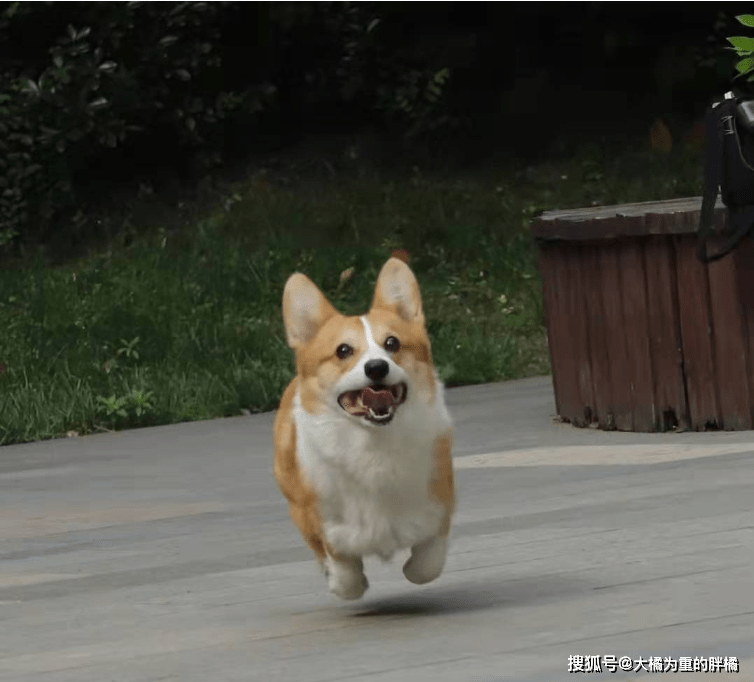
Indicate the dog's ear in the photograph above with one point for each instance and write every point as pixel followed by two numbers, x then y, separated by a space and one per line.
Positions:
pixel 398 291
pixel 305 310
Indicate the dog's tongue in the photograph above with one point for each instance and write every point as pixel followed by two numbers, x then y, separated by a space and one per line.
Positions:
pixel 377 399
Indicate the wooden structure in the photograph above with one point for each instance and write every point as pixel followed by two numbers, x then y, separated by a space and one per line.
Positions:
pixel 643 336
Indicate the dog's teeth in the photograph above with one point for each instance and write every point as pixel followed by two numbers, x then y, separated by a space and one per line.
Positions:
pixel 380 417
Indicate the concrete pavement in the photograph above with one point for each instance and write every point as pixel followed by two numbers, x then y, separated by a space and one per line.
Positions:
pixel 167 554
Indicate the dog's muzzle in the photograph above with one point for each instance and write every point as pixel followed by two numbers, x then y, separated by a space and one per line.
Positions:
pixel 376 403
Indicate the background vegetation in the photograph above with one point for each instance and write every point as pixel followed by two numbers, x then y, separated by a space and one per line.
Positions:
pixel 165 166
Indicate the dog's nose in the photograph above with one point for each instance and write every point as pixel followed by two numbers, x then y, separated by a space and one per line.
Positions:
pixel 376 369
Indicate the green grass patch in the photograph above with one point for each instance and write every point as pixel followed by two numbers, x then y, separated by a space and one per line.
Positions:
pixel 186 325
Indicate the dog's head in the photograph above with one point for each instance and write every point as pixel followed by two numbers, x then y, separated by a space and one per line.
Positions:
pixel 363 368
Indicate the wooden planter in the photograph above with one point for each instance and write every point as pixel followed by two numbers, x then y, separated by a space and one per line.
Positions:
pixel 642 335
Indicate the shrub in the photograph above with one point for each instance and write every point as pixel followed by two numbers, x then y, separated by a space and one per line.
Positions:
pixel 111 72
pixel 92 94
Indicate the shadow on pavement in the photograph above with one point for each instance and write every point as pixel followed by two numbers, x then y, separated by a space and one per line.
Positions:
pixel 476 596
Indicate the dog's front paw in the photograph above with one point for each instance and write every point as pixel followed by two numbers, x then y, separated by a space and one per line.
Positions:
pixel 346 579
pixel 427 560
pixel 351 588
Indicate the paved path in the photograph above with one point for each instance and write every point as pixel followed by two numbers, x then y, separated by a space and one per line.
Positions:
pixel 167 554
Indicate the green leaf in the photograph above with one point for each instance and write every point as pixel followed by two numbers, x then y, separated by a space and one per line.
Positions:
pixel 739 53
pixel 742 43
pixel 745 65
pixel 746 20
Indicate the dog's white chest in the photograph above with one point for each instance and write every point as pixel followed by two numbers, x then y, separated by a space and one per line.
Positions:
pixel 393 513
pixel 373 486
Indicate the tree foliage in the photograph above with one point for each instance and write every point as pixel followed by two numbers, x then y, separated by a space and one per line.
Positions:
pixel 97 95
pixel 112 75
pixel 743 46
pixel 102 75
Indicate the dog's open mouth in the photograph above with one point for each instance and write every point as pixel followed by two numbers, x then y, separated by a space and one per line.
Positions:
pixel 377 403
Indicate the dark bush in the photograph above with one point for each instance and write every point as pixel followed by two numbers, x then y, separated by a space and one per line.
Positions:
pixel 103 76
pixel 100 98
pixel 94 95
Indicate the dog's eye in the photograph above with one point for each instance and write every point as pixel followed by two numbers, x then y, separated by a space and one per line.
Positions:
pixel 392 344
pixel 343 351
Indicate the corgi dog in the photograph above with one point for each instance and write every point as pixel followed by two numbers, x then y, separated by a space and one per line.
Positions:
pixel 362 436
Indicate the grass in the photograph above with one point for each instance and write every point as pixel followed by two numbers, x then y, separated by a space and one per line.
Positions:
pixel 186 325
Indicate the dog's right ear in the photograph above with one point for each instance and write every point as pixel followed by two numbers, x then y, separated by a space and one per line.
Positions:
pixel 398 291
pixel 305 310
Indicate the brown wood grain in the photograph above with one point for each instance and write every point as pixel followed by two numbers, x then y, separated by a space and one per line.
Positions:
pixel 730 344
pixel 696 335
pixel 597 328
pixel 636 331
pixel 578 316
pixel 615 337
pixel 665 333
pixel 642 335
pixel 743 258
pixel 555 284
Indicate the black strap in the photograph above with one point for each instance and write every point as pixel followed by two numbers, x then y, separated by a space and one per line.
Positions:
pixel 715 129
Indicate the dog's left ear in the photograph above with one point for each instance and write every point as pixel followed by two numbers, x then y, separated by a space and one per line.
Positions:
pixel 305 310
pixel 398 291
